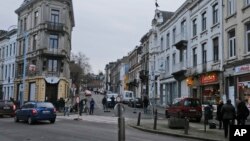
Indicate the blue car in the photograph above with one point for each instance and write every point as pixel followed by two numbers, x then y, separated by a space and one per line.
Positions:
pixel 36 111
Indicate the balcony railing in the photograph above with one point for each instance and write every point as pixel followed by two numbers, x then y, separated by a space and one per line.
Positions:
pixel 182 66
pixel 181 41
pixel 54 26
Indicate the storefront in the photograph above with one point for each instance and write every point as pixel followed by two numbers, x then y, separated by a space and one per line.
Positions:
pixel 210 88
pixel 243 82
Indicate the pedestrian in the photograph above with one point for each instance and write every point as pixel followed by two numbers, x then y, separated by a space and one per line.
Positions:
pixel 92 106
pixel 145 104
pixel 104 103
pixel 67 107
pixel 228 116
pixel 112 101
pixel 242 113
pixel 218 113
pixel 80 107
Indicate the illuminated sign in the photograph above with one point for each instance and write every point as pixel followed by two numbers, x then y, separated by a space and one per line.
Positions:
pixel 209 78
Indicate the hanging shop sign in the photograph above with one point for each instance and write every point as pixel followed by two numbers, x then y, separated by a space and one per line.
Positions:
pixel 209 78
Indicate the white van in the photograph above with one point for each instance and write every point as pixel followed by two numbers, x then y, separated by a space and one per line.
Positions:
pixel 127 95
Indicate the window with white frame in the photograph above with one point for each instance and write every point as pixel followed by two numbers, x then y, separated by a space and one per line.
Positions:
pixel 232 43
pixel 53 41
pixel 203 21
pixel 35 18
pixel 194 27
pixel 215 13
pixel 183 29
pixel 247 2
pixel 248 37
pixel 52 65
pixel 168 41
pixel 174 60
pixel 161 43
pixel 174 35
pixel 167 64
pixel 194 57
pixel 231 7
pixel 216 49
pixel 204 53
pixel 34 42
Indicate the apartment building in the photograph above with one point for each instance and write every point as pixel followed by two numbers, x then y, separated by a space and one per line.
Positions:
pixel 236 19
pixel 7 63
pixel 205 73
pixel 43 50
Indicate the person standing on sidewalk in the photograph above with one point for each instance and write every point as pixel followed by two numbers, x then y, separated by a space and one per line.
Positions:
pixel 145 104
pixel 67 107
pixel 228 116
pixel 242 113
pixel 92 106
pixel 104 103
pixel 218 113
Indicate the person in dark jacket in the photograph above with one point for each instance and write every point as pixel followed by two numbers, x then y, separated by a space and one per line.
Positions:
pixel 92 106
pixel 218 113
pixel 242 113
pixel 228 116
pixel 145 104
pixel 112 101
pixel 81 107
pixel 104 103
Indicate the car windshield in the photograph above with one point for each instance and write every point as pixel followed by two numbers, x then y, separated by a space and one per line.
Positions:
pixel 46 105
pixel 5 102
pixel 192 103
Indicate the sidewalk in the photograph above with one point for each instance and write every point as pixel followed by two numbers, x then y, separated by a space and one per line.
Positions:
pixel 196 130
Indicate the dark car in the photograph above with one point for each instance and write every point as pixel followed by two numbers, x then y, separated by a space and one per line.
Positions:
pixel 185 107
pixel 137 102
pixel 36 111
pixel 7 108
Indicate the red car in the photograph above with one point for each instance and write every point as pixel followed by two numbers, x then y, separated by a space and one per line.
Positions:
pixel 185 107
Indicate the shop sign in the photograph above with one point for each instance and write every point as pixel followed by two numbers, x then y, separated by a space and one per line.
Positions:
pixel 244 68
pixel 209 78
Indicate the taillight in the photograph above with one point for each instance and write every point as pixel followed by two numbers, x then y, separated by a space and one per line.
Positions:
pixel 54 110
pixel 34 111
pixel 14 107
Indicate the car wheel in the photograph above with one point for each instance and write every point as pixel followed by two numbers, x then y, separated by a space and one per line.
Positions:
pixel 16 119
pixel 30 121
pixel 52 120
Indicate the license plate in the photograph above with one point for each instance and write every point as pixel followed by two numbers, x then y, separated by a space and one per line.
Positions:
pixel 192 110
pixel 46 112
pixel 6 107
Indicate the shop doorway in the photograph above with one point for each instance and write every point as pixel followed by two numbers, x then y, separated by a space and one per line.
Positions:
pixel 51 93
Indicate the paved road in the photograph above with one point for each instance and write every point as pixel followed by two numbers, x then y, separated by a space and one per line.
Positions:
pixel 71 130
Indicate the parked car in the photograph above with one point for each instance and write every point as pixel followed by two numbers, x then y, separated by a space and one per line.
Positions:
pixel 137 102
pixel 7 108
pixel 36 111
pixel 186 107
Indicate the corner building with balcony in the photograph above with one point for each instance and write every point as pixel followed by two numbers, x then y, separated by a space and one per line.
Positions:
pixel 43 50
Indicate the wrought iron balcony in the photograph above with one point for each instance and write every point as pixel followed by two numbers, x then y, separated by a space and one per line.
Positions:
pixel 53 26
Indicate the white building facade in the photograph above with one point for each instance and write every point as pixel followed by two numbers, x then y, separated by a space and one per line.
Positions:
pixel 7 68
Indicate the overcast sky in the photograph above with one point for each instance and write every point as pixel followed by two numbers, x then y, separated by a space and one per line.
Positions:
pixel 105 30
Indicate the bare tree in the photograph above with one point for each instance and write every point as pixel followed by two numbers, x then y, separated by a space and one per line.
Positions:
pixel 83 61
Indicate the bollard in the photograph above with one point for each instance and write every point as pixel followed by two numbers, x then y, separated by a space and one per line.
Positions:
pixel 155 119
pixel 121 124
pixel 139 119
pixel 186 125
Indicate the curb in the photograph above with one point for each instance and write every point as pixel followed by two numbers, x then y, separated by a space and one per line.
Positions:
pixel 172 134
